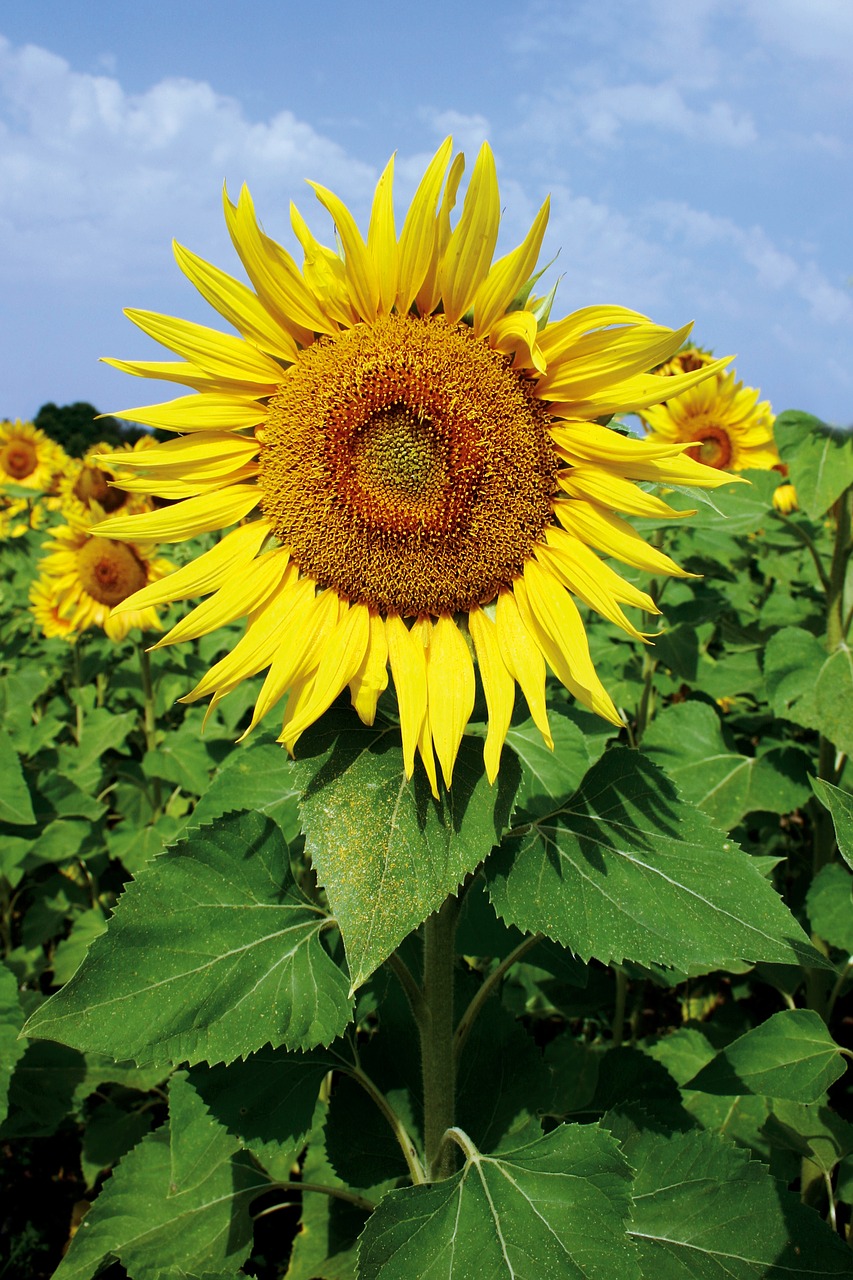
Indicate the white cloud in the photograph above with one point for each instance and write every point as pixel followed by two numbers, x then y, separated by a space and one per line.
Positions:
pixel 95 181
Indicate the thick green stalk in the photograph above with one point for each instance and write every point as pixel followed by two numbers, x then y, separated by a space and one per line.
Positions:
pixel 149 723
pixel 436 1028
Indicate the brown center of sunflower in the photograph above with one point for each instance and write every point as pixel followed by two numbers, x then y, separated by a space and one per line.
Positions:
pixel 407 466
pixel 19 459
pixel 713 447
pixel 110 571
pixel 92 485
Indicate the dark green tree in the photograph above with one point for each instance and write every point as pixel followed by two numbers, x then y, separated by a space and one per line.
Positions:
pixel 77 427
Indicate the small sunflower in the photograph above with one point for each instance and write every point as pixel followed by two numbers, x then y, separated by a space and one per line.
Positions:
pixel 785 498
pixel 723 423
pixel 45 606
pixel 686 361
pixel 89 575
pixel 87 487
pixel 28 457
pixel 419 447
pixel 18 516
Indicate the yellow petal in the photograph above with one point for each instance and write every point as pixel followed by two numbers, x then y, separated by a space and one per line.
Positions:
pixel 207 572
pixel 342 656
pixel 591 582
pixel 361 273
pixel 256 648
pixel 371 679
pixel 450 690
pixel 186 519
pixel 300 648
pixel 204 411
pixel 498 686
pixel 408 668
pixel 219 354
pixel 382 240
pixel 235 599
pixel 165 484
pixel 632 394
pixel 466 260
pixel 237 304
pixel 610 490
pixel 275 276
pixel 601 528
pixel 427 754
pixel 636 458
pixel 508 275
pixel 203 455
pixel 610 355
pixel 552 617
pixel 429 294
pixel 562 333
pixel 418 237
pixel 192 376
pixel 325 272
pixel 523 660
pixel 516 335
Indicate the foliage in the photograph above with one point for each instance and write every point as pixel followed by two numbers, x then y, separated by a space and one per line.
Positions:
pixel 78 426
pixel 299 1018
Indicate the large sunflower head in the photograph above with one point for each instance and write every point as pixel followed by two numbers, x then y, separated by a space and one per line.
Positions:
pixel 28 457
pixel 84 577
pixel 416 443
pixel 723 423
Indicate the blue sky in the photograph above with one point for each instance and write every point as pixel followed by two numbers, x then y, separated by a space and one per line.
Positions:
pixel 698 155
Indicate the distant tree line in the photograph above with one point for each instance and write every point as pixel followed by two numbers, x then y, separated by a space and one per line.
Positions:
pixel 77 427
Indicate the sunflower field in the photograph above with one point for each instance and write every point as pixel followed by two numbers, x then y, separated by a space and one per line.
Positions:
pixel 402 906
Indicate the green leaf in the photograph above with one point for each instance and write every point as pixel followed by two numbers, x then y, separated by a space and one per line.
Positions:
pixel 548 775
pixel 182 760
pixel 627 870
pixel 840 805
pixel 210 954
pixel 11 1021
pixel 110 1134
pixel 257 778
pixel 830 906
pixel 387 853
pixel 325 1246
pixel 702 1207
pixel 556 1207
pixel 687 740
pixel 819 458
pixel 70 952
pixel 734 508
pixel 161 1216
pixel 15 803
pixel 810 1129
pixel 267 1101
pixel 834 699
pixel 791 1056
pixel 793 661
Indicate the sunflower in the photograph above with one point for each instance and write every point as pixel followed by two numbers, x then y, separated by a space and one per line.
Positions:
pixel 87 487
pixel 419 446
pixel 28 457
pixel 19 515
pixel 785 498
pixel 88 575
pixel 723 422
pixel 685 361
pixel 45 606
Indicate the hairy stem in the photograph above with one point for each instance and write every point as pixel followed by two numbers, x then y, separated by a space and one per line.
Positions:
pixel 149 723
pixel 438 1063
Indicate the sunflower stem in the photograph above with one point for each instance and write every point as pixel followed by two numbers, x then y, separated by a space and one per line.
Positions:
pixel 77 669
pixel 149 724
pixel 436 1027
